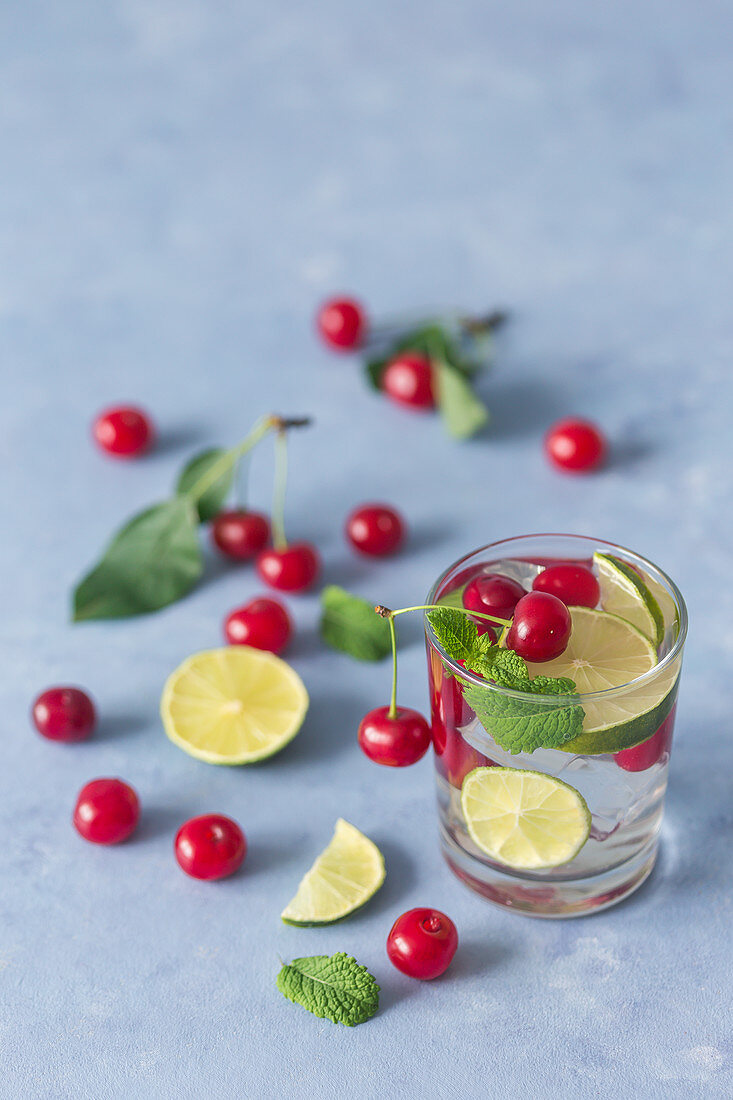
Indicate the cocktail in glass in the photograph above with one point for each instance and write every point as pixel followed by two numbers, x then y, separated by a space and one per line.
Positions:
pixel 623 786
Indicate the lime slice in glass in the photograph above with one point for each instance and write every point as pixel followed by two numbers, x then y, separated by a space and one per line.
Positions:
pixel 524 819
pixel 670 612
pixel 625 593
pixel 233 705
pixel 605 652
pixel 343 878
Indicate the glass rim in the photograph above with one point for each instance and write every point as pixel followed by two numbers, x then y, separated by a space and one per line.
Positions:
pixel 657 574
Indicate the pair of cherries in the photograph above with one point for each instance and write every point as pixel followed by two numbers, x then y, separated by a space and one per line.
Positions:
pixel 242 536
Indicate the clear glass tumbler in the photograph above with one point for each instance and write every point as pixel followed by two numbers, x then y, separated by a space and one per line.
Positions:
pixel 624 790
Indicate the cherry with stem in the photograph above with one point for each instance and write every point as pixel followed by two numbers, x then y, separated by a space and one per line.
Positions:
pixel 394 736
pixel 289 567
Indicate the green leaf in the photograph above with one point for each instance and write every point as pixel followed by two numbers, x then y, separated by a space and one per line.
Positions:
pixel 464 414
pixel 151 562
pixel 213 500
pixel 553 685
pixel 523 725
pixel 374 369
pixel 456 633
pixel 351 625
pixel 333 987
pixel 504 667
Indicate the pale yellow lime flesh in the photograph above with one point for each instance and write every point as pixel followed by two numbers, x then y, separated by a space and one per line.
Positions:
pixel 524 819
pixel 343 878
pixel 234 705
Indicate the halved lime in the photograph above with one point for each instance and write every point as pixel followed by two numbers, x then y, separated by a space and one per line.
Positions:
pixel 625 593
pixel 524 819
pixel 604 652
pixel 233 705
pixel 343 878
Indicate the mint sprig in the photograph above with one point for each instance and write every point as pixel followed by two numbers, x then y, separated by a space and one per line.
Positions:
pixel 333 987
pixel 349 625
pixel 516 724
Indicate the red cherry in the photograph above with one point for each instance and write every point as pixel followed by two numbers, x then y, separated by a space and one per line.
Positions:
pixel 342 323
pixel 575 446
pixel 396 742
pixel 541 627
pixel 422 943
pixel 290 570
pixel 573 584
pixel 650 752
pixel 210 847
pixel 239 534
pixel 107 811
pixel 375 530
pixel 492 594
pixel 262 623
pixel 124 431
pixel 64 714
pixel 408 380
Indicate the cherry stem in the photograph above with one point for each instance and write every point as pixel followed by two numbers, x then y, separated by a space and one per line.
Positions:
pixel 475 325
pixel 390 615
pixel 227 460
pixel 387 612
pixel 392 712
pixel 486 323
pixel 278 500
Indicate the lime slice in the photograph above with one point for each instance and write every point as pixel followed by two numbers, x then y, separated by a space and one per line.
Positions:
pixel 524 819
pixel 605 652
pixel 342 879
pixel 233 705
pixel 670 612
pixel 625 593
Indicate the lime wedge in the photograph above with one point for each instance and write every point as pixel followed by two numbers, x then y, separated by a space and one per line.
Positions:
pixel 524 819
pixel 625 593
pixel 233 705
pixel 605 652
pixel 343 878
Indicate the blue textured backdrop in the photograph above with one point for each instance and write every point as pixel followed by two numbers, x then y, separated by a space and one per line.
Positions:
pixel 181 182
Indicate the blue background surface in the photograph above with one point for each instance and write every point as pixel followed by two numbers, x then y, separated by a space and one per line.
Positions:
pixel 181 183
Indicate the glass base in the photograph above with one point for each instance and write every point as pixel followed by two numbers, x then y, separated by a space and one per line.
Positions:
pixel 535 898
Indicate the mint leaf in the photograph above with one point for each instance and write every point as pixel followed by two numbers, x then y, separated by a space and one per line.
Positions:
pixel 351 625
pixel 335 988
pixel 552 685
pixel 523 725
pixel 464 414
pixel 151 562
pixel 213 500
pixel 456 633
pixel 504 667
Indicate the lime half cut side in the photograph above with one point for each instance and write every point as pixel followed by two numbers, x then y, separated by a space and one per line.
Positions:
pixel 343 878
pixel 234 705
pixel 625 593
pixel 524 819
pixel 606 652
